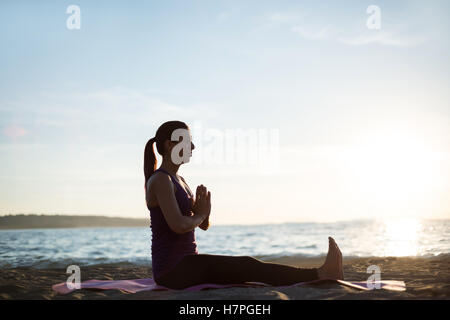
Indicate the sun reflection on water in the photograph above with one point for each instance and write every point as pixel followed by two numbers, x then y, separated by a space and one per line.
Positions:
pixel 401 237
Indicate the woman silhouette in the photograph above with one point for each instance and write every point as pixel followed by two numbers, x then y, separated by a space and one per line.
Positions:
pixel 175 214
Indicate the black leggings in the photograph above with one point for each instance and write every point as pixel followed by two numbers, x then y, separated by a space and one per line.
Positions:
pixel 206 268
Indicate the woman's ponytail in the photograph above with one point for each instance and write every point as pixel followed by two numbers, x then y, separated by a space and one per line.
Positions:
pixel 149 160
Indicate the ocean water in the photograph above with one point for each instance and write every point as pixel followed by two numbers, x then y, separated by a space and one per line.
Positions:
pixel 43 248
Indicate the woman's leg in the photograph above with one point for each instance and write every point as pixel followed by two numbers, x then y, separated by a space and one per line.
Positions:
pixel 206 268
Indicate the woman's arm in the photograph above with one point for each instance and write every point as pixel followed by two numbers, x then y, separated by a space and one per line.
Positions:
pixel 165 194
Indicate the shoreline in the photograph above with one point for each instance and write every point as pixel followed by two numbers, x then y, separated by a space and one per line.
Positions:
pixel 43 221
pixel 294 260
pixel 425 278
pixel 34 221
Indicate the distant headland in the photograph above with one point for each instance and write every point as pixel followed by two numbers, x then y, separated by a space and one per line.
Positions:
pixel 35 221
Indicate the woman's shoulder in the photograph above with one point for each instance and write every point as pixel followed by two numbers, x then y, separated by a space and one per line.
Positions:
pixel 159 182
pixel 159 176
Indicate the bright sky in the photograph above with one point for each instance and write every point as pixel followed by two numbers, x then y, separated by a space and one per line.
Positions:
pixel 362 115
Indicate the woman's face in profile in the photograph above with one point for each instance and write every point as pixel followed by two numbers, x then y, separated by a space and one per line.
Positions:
pixel 183 144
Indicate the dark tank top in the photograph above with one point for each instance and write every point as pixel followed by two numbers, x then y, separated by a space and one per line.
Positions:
pixel 169 247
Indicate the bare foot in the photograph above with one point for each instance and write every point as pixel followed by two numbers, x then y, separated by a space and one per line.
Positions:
pixel 332 268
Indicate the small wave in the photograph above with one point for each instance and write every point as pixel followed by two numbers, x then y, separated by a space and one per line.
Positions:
pixel 64 263
pixel 286 256
pixel 313 246
pixel 442 256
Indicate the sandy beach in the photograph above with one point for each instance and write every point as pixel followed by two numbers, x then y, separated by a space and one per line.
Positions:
pixel 425 278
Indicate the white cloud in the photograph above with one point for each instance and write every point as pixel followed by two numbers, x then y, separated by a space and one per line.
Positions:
pixel 14 131
pixel 223 16
pixel 227 15
pixel 274 20
pixel 281 17
pixel 105 108
pixel 322 33
pixel 381 38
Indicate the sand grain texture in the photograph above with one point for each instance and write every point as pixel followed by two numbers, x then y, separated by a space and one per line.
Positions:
pixel 425 278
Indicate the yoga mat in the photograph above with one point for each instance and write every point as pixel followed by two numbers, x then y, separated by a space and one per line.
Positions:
pixel 137 285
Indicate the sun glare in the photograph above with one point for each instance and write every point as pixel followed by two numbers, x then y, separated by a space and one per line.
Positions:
pixel 395 172
pixel 401 237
